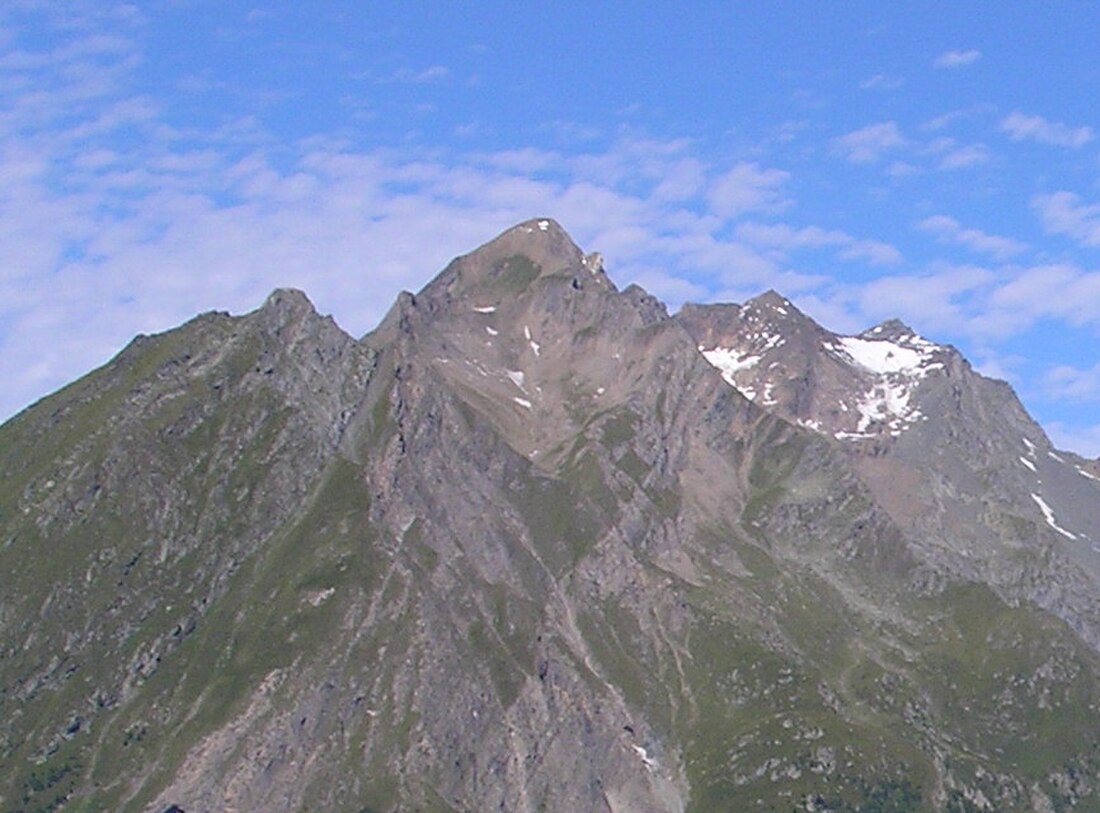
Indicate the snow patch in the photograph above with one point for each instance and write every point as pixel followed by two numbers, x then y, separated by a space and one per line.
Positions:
pixel 852 435
pixel 886 357
pixel 491 332
pixel 897 367
pixel 477 366
pixel 485 309
pixel 646 758
pixel 319 597
pixel 730 360
pixel 769 399
pixel 1048 514
pixel 1027 463
pixel 770 341
pixel 887 402
pixel 523 402
pixel 1084 473
pixel 516 377
pixel 543 225
pixel 535 347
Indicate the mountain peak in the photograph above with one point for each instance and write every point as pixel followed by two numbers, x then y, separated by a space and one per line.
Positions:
pixel 542 239
pixel 890 330
pixel 771 299
pixel 285 306
pixel 513 260
pixel 523 532
pixel 291 299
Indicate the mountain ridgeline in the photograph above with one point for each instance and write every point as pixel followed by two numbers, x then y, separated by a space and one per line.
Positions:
pixel 534 544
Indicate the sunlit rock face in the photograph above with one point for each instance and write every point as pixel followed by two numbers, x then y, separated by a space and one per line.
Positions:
pixel 536 545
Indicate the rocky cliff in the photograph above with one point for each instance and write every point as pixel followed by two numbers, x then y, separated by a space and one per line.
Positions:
pixel 533 544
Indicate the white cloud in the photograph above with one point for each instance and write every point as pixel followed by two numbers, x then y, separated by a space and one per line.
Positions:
pixel 1060 291
pixel 938 300
pixel 784 239
pixel 673 290
pixel 1065 381
pixel 413 76
pixel 901 169
pixel 787 238
pixel 143 233
pixel 954 156
pixel 832 309
pixel 748 188
pixel 528 160
pixel 964 157
pixel 117 218
pixel 1022 127
pixel 952 117
pixel 949 230
pixel 956 59
pixel 870 143
pixel 681 180
pixel 1084 440
pixel 881 81
pixel 732 262
pixel 1063 213
pixel 945 120
pixel 992 365
pixel 873 252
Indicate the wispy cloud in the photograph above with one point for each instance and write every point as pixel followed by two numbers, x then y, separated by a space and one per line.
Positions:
pixel 948 230
pixel 1062 291
pixel 955 156
pixel 901 169
pixel 870 143
pixel 881 81
pixel 124 208
pixel 409 76
pixel 942 299
pixel 1064 213
pixel 144 233
pixel 965 157
pixel 1021 127
pixel 749 188
pixel 956 59
pixel 1084 440
pixel 958 116
pixel 784 239
pixel 1065 381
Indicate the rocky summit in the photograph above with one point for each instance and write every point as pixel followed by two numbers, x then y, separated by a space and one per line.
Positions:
pixel 534 544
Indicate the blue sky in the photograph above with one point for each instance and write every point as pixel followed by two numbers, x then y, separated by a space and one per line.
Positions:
pixel 937 162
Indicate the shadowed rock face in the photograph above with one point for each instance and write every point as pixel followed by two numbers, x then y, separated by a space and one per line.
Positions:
pixel 533 544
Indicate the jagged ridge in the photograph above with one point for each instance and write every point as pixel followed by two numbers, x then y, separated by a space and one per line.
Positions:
pixel 523 548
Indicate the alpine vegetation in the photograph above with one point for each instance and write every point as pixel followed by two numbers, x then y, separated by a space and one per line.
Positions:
pixel 534 544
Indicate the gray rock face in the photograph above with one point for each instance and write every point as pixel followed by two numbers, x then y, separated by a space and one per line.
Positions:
pixel 524 547
pixel 951 455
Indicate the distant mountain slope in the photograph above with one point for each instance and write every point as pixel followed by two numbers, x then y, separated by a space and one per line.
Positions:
pixel 525 548
pixel 952 455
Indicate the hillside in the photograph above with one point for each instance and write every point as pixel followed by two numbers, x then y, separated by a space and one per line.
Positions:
pixel 534 544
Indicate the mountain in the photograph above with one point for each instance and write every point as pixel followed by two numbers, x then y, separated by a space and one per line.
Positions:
pixel 534 544
pixel 952 456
